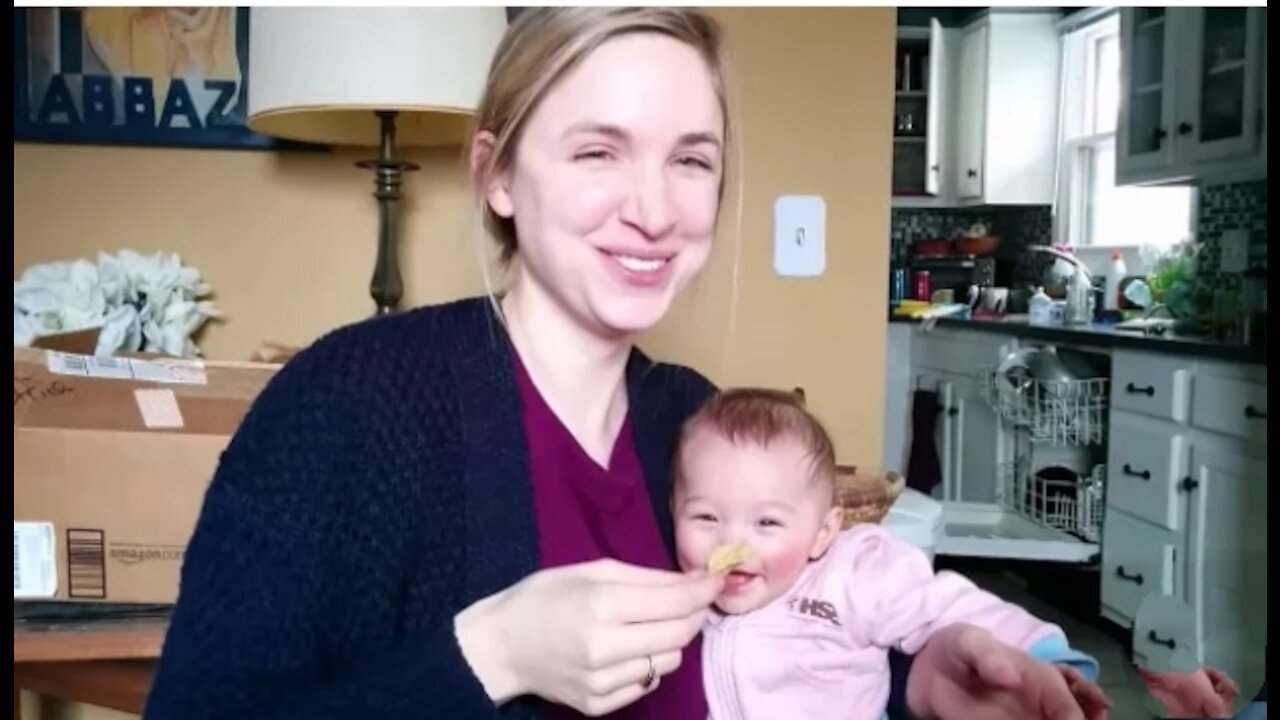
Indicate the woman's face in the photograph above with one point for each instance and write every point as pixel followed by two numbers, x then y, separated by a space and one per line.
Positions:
pixel 614 190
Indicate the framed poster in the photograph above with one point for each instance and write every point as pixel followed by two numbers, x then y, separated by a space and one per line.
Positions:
pixel 142 76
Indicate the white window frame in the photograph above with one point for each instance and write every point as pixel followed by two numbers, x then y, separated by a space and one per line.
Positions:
pixel 1078 67
pixel 1073 194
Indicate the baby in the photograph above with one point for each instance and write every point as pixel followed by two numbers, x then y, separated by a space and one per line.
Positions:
pixel 809 612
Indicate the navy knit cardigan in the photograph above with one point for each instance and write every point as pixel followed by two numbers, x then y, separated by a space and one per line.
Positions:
pixel 379 485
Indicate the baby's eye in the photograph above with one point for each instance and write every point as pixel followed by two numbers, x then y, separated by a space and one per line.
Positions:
pixel 770 522
pixel 704 517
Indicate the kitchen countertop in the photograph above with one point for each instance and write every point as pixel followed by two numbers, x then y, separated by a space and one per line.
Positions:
pixel 1100 335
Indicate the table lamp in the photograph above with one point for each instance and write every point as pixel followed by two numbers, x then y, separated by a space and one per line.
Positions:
pixel 384 77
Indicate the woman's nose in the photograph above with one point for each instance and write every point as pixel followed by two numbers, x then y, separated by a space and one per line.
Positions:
pixel 649 208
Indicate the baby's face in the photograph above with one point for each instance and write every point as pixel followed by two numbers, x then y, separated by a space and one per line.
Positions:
pixel 762 498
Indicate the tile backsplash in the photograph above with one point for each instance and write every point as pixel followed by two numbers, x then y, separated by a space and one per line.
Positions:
pixel 1222 207
pixel 1017 226
pixel 1234 206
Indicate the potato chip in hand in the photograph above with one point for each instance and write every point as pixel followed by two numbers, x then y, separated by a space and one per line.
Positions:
pixel 728 557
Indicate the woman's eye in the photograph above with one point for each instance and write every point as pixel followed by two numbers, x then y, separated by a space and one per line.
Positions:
pixel 693 161
pixel 592 154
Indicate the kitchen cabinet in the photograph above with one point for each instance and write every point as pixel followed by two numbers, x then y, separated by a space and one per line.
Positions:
pixel 1184 532
pixel 1193 94
pixel 1147 463
pixel 970 138
pixel 1138 560
pixel 1006 109
pixel 1227 558
pixel 922 137
pixel 982 130
pixel 1185 535
pixel 967 437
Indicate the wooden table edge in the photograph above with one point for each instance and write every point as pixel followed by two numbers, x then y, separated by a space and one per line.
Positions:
pixel 57 645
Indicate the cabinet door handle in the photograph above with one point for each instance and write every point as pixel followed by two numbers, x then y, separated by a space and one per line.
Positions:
pixel 1136 578
pixel 1254 413
pixel 1148 390
pixel 1160 134
pixel 1167 642
pixel 953 411
pixel 1185 128
pixel 973 173
pixel 934 168
pixel 1188 484
pixel 1144 474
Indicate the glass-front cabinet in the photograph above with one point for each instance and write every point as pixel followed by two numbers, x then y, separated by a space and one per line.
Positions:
pixel 1193 93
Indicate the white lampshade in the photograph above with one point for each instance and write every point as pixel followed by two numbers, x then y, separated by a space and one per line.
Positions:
pixel 318 74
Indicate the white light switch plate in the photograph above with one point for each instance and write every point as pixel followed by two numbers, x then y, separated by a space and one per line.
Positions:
pixel 1234 247
pixel 800 236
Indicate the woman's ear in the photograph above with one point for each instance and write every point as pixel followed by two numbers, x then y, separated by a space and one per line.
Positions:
pixel 490 184
pixel 831 526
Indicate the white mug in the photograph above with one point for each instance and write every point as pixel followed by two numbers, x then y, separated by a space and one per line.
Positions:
pixel 989 299
pixel 994 299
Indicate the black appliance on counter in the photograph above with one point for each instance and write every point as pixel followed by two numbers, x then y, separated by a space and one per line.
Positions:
pixel 956 272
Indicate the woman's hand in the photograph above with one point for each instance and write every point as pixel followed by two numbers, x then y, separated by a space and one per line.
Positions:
pixel 965 672
pixel 584 635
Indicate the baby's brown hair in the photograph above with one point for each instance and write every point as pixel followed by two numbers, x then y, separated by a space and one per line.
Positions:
pixel 760 416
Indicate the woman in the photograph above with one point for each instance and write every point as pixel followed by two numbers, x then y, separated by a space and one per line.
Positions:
pixel 412 519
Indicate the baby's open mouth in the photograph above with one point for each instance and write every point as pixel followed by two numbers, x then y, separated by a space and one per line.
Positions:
pixel 737 580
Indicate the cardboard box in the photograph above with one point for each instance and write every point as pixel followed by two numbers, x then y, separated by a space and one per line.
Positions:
pixel 111 460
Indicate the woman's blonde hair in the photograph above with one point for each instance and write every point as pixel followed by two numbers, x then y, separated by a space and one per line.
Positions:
pixel 539 48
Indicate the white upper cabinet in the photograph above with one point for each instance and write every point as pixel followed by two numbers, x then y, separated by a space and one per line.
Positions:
pixel 1193 94
pixel 1006 109
pixel 936 141
pixel 922 135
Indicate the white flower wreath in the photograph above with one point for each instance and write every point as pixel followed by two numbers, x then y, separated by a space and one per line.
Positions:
pixel 139 303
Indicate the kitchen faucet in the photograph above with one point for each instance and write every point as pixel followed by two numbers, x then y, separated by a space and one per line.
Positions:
pixel 1069 258
pixel 1078 308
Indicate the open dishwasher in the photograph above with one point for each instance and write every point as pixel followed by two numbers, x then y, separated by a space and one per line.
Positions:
pixel 1048 408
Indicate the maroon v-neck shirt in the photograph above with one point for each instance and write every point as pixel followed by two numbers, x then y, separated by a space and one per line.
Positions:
pixel 586 512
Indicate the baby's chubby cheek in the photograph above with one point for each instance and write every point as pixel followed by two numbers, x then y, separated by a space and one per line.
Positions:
pixel 691 552
pixel 784 563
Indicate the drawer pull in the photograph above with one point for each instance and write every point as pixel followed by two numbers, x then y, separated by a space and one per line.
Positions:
pixel 1144 474
pixel 1255 414
pixel 1167 642
pixel 1188 484
pixel 1136 578
pixel 1149 390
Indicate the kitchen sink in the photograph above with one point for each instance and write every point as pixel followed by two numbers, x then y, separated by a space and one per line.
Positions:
pixel 1147 326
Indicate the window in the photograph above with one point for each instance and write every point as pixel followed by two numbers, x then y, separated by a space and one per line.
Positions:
pixel 1092 211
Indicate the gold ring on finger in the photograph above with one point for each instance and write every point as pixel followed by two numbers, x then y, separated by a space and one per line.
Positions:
pixel 649 677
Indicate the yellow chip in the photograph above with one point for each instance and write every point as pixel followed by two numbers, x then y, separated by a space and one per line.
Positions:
pixel 728 557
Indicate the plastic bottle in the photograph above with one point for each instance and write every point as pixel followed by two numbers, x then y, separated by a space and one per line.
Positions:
pixel 924 286
pixel 1079 300
pixel 1116 272
pixel 1040 308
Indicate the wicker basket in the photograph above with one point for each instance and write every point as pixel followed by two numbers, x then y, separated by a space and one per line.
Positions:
pixel 866 494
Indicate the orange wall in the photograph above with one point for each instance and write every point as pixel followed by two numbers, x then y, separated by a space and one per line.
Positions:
pixel 287 240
